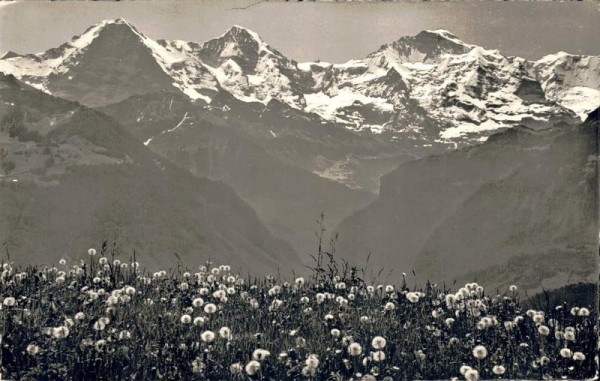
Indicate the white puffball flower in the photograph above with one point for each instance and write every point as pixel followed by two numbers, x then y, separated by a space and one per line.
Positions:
pixel 378 342
pixel 33 349
pixel 566 353
pixel 260 354
pixel 186 319
pixel 378 356
pixel 225 333
pixel 208 336
pixel 578 356
pixel 354 349
pixel 210 308
pixel 472 375
pixel 312 361
pixel 498 370
pixel 412 297
pixel 9 301
pixel 480 352
pixel 198 302
pixel 543 330
pixel 199 321
pixel 583 312
pixel 60 332
pixel 235 368
pixel 252 367
pixel 464 369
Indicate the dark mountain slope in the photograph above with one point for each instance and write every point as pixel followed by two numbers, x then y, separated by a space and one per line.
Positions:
pixel 287 198
pixel 87 180
pixel 522 193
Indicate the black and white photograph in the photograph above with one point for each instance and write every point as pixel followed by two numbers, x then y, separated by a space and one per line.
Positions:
pixel 299 190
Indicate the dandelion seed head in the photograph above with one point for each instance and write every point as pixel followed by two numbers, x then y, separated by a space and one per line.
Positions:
pixel 378 356
pixel 308 371
pixel 252 367
pixel 583 312
pixel 472 375
pixel 260 354
pixel 543 330
pixel 378 342
pixel 566 353
pixel 354 349
pixel 578 356
pixel 198 302
pixel 225 333
pixel 198 321
pixel 100 345
pixel 210 308
pixel 32 349
pixel 99 325
pixel 312 361
pixel 9 301
pixel 60 332
pixel 235 368
pixel 208 336
pixel 464 369
pixel 412 297
pixel 480 352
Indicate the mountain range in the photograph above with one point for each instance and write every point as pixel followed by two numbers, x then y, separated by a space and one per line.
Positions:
pixel 368 142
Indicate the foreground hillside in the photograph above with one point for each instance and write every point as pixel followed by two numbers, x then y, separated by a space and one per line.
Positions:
pixel 73 175
pixel 105 319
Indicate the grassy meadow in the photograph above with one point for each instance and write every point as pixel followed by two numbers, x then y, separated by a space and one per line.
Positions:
pixel 106 319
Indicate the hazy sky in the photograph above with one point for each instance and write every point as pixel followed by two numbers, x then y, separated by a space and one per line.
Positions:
pixel 333 32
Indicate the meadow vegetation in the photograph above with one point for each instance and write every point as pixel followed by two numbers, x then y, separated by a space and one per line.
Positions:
pixel 107 319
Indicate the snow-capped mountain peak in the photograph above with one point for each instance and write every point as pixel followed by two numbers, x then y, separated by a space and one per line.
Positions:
pixel 424 47
pixel 434 74
pixel 242 45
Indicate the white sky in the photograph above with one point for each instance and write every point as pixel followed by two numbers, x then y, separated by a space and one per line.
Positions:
pixel 333 32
